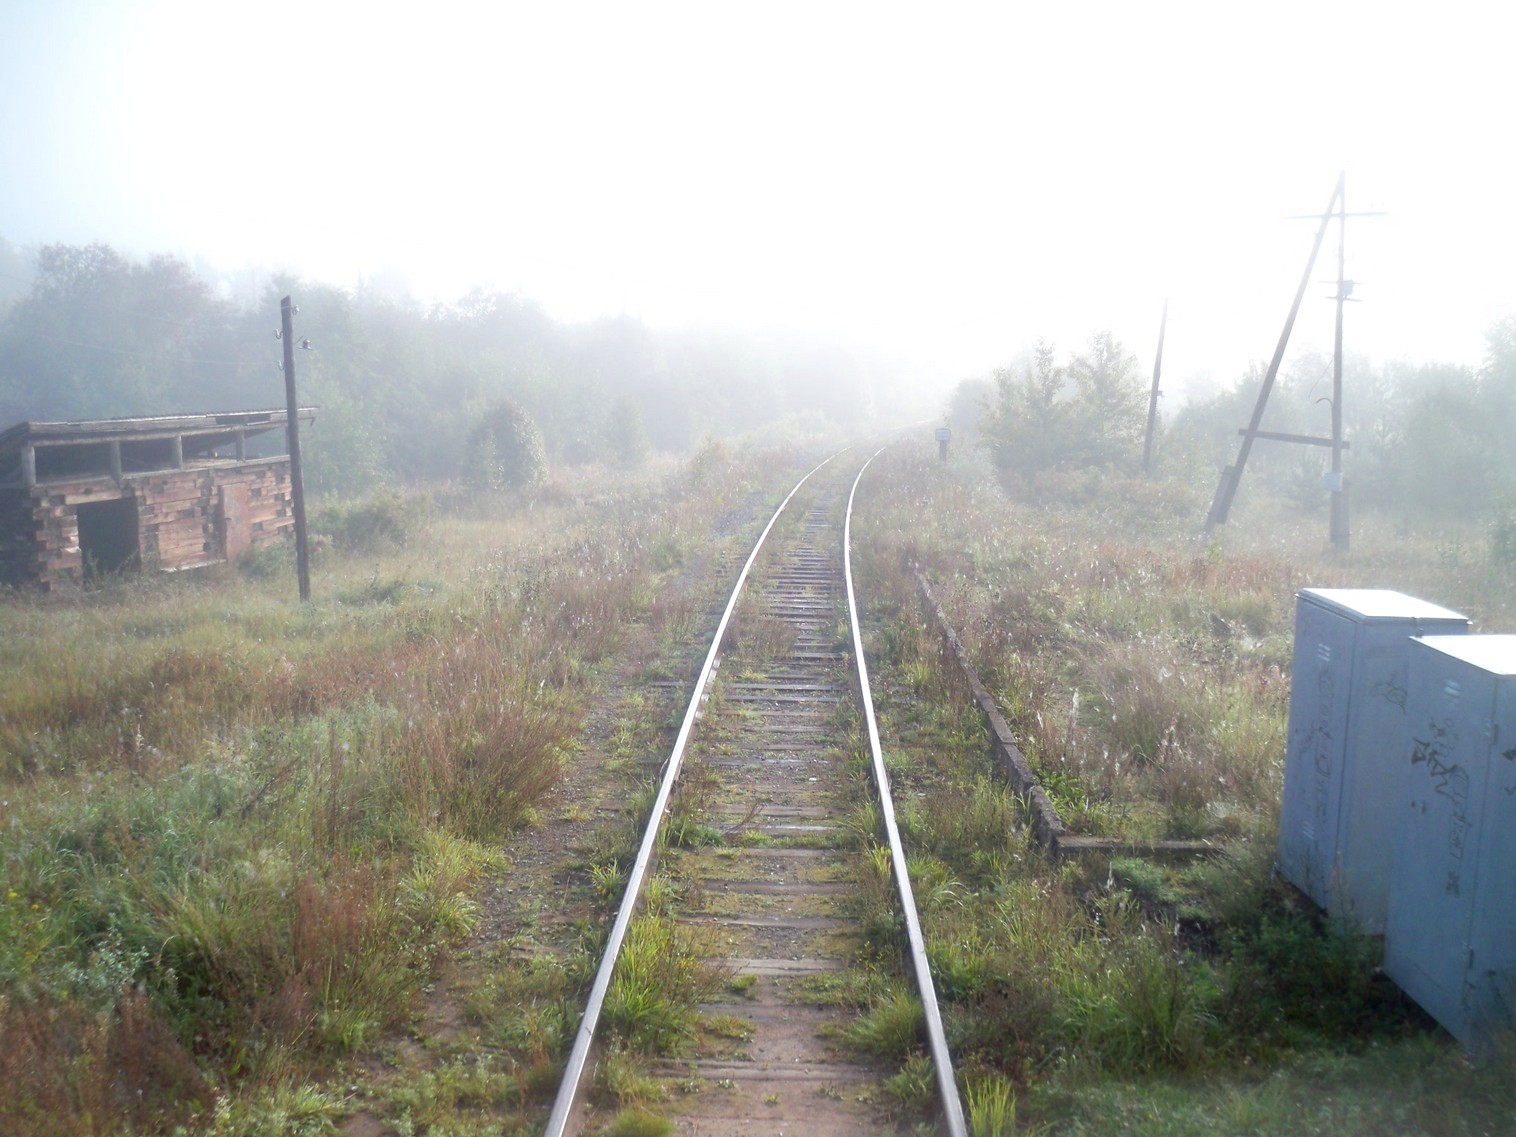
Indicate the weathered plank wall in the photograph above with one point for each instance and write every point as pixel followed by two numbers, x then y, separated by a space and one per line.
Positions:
pixel 179 518
pixel 18 537
pixel 56 526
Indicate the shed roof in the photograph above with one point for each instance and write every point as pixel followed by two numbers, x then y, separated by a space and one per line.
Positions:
pixel 226 425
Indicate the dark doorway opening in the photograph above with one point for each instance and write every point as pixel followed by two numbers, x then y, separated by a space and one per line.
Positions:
pixel 108 536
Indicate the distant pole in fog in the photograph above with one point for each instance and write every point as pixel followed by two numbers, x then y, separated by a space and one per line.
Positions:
pixel 1147 442
pixel 292 428
pixel 1338 525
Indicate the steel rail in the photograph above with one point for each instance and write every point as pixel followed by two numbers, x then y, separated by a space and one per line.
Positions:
pixel 942 1061
pixel 573 1074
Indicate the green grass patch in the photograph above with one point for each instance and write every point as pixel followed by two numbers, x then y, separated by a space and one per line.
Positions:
pixel 1147 682
pixel 239 835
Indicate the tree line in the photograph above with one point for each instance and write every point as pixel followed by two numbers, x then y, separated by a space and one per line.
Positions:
pixel 1427 439
pixel 403 387
pixel 414 392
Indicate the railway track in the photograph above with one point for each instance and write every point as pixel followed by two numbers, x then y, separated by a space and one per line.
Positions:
pixel 760 766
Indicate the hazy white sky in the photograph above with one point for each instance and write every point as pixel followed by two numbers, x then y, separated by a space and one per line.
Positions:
pixel 952 180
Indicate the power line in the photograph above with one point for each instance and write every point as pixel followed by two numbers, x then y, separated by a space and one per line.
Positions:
pixel 180 323
pixel 217 325
pixel 148 354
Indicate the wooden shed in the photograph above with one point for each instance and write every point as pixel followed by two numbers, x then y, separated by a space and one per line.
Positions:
pixel 77 498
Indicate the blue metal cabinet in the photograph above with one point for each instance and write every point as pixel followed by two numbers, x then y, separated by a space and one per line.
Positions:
pixel 1347 743
pixel 1450 940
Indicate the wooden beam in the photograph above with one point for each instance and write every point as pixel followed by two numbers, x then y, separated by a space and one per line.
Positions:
pixel 147 430
pixel 29 465
pixel 1305 439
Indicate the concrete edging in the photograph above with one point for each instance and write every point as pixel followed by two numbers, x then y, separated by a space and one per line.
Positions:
pixel 1047 825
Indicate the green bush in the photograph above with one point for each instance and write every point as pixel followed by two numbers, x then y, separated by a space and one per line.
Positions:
pixel 384 520
pixel 264 562
pixel 710 459
pixel 505 449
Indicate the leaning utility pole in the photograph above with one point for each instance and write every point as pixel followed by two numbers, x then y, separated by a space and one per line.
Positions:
pixel 1230 477
pixel 292 429
pixel 1221 505
pixel 1147 441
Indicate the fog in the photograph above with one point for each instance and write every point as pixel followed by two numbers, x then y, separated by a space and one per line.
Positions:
pixel 942 186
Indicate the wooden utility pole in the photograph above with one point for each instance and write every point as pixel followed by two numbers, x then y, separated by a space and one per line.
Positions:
pixel 1338 525
pixel 1221 505
pixel 292 430
pixel 1147 441
pixel 1337 209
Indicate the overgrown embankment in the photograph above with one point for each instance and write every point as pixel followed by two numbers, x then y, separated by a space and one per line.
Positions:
pixel 239 834
pixel 1145 676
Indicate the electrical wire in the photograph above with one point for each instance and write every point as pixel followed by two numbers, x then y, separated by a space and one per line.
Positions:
pixel 149 354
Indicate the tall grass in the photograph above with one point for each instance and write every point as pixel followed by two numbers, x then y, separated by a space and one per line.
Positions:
pixel 1134 669
pixel 659 981
pixel 238 835
pixel 1147 679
